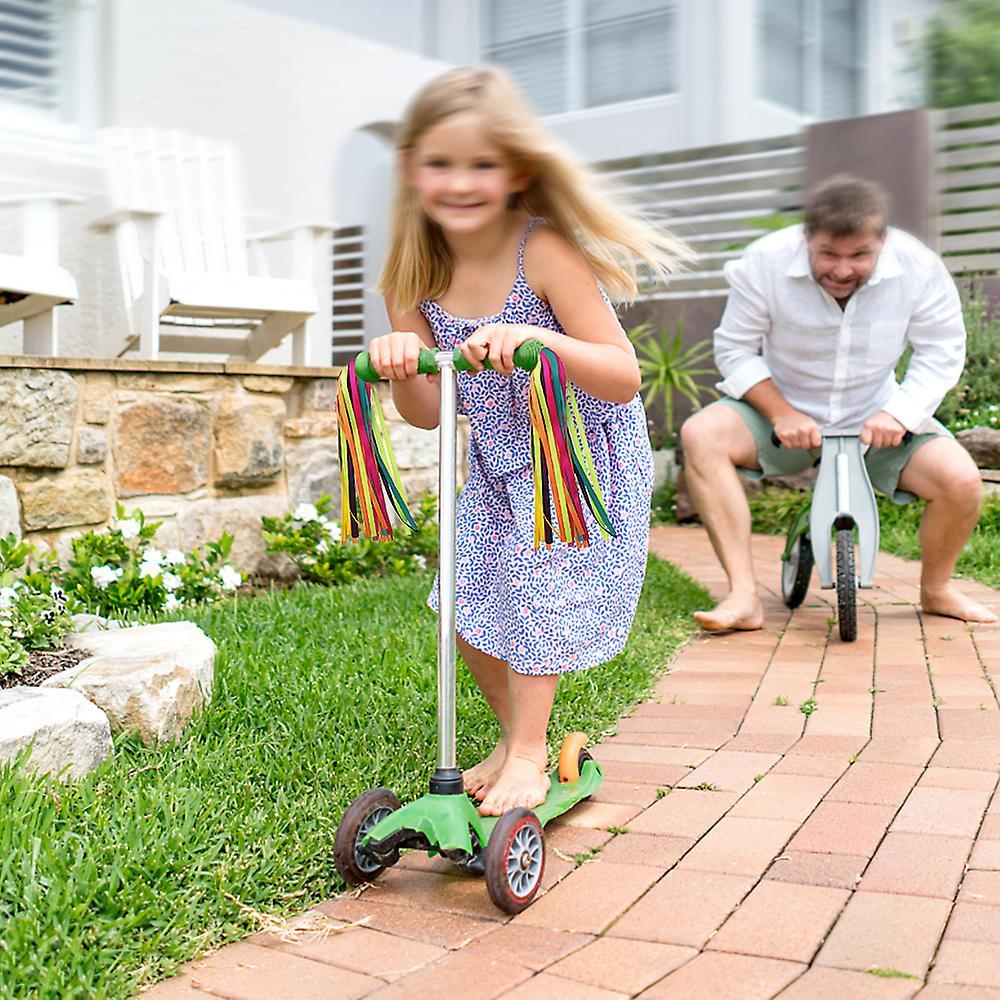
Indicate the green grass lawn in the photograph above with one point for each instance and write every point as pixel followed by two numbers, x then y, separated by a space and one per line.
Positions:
pixel 320 693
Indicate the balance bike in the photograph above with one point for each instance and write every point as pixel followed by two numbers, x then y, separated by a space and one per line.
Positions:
pixel 508 850
pixel 843 502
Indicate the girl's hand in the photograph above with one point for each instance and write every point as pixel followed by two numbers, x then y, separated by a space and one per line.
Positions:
pixel 497 343
pixel 395 355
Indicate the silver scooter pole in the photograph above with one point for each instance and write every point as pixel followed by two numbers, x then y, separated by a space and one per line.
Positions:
pixel 447 779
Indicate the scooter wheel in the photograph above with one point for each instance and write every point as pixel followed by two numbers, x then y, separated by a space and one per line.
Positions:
pixel 515 860
pixel 362 815
pixel 572 756
pixel 847 587
pixel 796 571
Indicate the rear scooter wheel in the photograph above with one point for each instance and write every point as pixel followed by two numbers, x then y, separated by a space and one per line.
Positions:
pixel 572 756
pixel 847 586
pixel 796 572
pixel 515 860
pixel 361 817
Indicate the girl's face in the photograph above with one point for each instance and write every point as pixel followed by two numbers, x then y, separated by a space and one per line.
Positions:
pixel 462 179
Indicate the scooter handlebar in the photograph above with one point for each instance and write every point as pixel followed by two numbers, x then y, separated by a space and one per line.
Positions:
pixel 525 356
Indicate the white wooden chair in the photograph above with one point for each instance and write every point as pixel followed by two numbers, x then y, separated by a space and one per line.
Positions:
pixel 177 218
pixel 33 283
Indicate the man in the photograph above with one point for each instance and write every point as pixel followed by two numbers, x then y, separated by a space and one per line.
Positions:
pixel 818 316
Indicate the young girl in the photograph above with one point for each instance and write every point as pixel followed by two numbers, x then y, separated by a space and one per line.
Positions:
pixel 493 221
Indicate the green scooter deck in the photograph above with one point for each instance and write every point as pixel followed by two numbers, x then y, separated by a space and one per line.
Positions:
pixel 448 821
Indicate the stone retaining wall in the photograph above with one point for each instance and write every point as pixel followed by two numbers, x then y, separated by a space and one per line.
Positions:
pixel 205 448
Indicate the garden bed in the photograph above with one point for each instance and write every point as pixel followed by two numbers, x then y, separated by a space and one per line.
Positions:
pixel 43 664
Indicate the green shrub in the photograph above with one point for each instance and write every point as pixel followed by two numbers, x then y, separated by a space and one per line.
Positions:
pixel 969 403
pixel 313 542
pixel 33 608
pixel 118 573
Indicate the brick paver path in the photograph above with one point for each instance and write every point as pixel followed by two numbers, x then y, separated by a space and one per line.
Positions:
pixel 739 848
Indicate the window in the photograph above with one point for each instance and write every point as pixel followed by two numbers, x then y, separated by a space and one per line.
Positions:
pixel 812 55
pixel 572 54
pixel 30 39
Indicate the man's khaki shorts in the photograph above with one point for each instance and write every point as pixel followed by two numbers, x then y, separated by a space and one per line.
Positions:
pixel 884 464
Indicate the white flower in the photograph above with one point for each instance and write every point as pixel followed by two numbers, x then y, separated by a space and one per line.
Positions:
pixel 148 569
pixel 8 595
pixel 333 530
pixel 174 557
pixel 153 556
pixel 421 561
pixel 230 577
pixel 322 547
pixel 129 528
pixel 171 581
pixel 305 512
pixel 171 603
pixel 104 576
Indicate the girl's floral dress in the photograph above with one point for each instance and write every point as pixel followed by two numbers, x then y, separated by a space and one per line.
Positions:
pixel 558 609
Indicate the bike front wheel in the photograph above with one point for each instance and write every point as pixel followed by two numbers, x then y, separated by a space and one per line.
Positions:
pixel 847 586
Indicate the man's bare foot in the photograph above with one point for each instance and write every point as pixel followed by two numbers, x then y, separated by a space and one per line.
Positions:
pixel 479 779
pixel 735 612
pixel 521 782
pixel 951 603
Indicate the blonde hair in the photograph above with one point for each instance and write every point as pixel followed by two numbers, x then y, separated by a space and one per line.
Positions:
pixel 572 201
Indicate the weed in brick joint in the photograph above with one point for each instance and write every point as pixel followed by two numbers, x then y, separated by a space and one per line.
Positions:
pixel 808 706
pixel 707 786
pixel 617 829
pixel 661 792
pixel 757 778
pixel 889 973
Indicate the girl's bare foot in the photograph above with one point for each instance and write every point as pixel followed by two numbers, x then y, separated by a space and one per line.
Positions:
pixel 735 612
pixel 479 779
pixel 522 782
pixel 951 603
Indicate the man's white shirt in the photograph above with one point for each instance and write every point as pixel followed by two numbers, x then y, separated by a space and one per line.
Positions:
pixel 837 366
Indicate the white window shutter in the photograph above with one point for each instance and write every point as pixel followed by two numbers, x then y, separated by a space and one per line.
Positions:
pixel 29 52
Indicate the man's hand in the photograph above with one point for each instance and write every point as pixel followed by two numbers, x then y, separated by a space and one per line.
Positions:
pixel 882 431
pixel 796 430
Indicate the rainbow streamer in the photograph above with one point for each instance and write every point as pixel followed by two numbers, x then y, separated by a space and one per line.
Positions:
pixel 367 467
pixel 561 460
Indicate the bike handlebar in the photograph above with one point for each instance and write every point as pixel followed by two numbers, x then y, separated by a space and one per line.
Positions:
pixel 525 357
pixel 776 441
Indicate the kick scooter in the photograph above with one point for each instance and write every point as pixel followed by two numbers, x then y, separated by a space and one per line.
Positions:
pixel 843 502
pixel 508 850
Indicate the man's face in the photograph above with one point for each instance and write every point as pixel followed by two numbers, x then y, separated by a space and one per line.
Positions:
pixel 842 264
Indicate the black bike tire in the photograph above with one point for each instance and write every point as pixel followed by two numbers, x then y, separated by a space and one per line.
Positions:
pixel 803 573
pixel 847 586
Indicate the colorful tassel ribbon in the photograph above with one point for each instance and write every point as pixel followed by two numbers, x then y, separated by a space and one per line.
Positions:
pixel 367 467
pixel 561 459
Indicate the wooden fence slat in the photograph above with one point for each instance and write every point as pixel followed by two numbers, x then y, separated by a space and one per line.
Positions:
pixel 989 240
pixel 971 220
pixel 974 263
pixel 970 157
pixel 971 112
pixel 984 177
pixel 989 198
pixel 701 153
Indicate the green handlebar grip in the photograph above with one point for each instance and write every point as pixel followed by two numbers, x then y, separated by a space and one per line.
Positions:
pixel 525 356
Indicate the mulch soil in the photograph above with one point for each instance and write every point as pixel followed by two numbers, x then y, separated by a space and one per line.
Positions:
pixel 42 664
